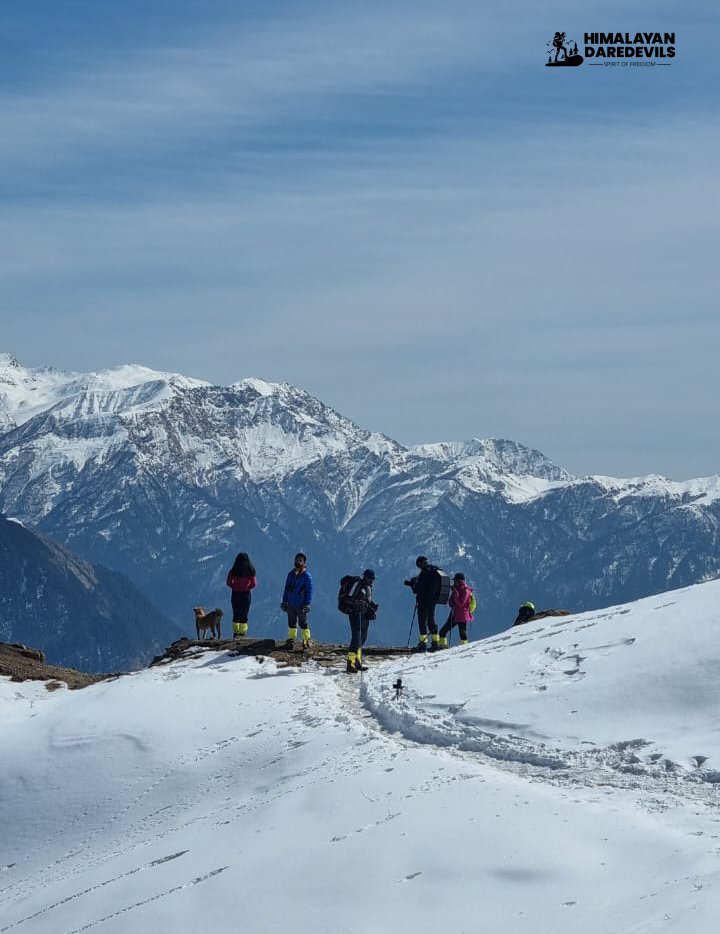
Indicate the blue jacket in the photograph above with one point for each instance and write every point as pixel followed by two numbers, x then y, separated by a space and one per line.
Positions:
pixel 298 589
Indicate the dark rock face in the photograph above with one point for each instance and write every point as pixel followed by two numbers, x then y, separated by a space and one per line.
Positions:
pixel 82 615
pixel 165 479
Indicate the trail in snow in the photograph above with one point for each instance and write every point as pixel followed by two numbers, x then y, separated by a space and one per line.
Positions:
pixel 658 784
pixel 632 764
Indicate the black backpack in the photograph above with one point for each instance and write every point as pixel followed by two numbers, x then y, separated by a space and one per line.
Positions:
pixel 345 604
pixel 436 585
pixel 443 594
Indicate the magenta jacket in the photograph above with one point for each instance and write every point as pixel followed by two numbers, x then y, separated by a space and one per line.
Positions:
pixel 460 603
pixel 240 584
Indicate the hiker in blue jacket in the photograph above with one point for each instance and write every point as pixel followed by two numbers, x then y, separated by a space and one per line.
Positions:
pixel 296 600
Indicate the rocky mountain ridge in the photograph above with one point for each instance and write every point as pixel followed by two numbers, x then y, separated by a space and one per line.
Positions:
pixel 83 615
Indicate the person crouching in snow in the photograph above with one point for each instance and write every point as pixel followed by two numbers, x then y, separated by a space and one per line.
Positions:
pixel 462 603
pixel 525 613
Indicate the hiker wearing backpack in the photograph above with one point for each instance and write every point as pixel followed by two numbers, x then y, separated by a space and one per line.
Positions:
pixel 426 587
pixel 462 604
pixel 296 600
pixel 360 609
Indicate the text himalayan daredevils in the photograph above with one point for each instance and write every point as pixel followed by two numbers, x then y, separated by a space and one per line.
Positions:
pixel 627 45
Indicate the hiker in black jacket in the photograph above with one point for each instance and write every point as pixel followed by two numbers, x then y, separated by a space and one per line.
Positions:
pixel 426 587
pixel 363 610
pixel 525 613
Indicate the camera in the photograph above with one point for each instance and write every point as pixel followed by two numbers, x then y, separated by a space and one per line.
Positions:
pixel 411 582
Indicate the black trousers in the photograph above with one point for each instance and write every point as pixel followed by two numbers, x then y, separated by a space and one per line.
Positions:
pixel 358 631
pixel 450 624
pixel 297 617
pixel 426 618
pixel 240 605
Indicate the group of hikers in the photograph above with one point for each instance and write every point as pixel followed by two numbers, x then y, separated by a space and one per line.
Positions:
pixel 431 586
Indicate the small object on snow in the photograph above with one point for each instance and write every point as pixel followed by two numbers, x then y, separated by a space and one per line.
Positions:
pixel 398 686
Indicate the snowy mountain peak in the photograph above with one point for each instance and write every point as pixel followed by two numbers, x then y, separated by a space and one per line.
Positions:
pixel 701 490
pixel 10 362
pixel 261 386
pixel 25 391
pixel 495 465
pixel 302 418
pixel 130 375
pixel 498 455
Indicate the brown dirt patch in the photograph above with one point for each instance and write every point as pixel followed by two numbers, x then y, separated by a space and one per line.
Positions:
pixel 21 663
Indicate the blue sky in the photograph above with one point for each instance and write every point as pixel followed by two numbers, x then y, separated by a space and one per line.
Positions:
pixel 393 205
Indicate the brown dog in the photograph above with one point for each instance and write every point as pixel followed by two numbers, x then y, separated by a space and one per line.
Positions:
pixel 205 621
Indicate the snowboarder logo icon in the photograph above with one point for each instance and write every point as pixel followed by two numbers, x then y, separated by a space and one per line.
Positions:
pixel 569 52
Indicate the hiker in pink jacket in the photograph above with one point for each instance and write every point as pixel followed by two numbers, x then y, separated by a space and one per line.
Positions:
pixel 241 580
pixel 461 603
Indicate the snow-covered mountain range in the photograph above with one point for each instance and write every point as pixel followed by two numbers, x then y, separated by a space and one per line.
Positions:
pixel 560 778
pixel 165 478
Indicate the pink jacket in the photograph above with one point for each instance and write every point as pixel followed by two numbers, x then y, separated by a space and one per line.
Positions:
pixel 460 603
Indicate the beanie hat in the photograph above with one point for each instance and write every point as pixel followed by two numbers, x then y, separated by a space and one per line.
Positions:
pixel 369 573
pixel 420 560
pixel 459 577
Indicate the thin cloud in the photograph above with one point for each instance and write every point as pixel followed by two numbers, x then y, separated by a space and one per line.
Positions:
pixel 388 211
pixel 241 80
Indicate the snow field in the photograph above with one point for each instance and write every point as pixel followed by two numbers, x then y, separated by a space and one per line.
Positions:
pixel 545 780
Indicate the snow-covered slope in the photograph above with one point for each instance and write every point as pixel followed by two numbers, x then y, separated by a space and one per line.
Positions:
pixel 166 478
pixel 563 777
